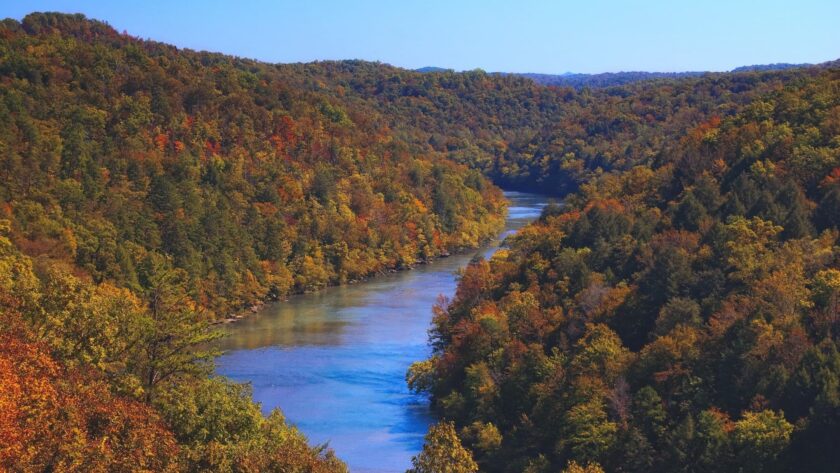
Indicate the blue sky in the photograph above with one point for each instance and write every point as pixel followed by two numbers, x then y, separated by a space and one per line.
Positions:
pixel 550 36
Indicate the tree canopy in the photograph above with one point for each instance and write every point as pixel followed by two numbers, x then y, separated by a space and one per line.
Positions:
pixel 679 311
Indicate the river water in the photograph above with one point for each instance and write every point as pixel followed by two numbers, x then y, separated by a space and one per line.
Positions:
pixel 335 361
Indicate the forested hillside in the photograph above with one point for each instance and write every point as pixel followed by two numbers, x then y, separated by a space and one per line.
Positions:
pixel 263 180
pixel 92 378
pixel 117 151
pixel 678 313
pixel 146 191
pixel 530 137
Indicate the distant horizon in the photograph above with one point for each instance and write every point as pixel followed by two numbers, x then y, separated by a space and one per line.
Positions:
pixel 530 37
pixel 623 71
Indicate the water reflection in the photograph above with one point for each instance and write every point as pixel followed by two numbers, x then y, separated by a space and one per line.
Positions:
pixel 335 361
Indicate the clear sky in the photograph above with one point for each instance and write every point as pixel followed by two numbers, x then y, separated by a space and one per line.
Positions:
pixel 550 36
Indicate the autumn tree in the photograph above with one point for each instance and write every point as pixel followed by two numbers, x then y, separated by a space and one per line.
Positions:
pixel 443 453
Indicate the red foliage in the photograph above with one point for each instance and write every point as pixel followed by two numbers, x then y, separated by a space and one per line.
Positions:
pixel 212 147
pixel 161 141
pixel 287 130
pixel 698 133
pixel 833 178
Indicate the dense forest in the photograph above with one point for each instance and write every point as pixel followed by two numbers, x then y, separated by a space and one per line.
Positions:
pixel 117 151
pixel 678 312
pixel 530 137
pixel 92 378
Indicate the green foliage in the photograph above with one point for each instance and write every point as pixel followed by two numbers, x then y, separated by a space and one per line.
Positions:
pixel 252 183
pixel 106 382
pixel 177 336
pixel 679 312
pixel 222 429
pixel 590 434
pixel 443 453
pixel 420 376
pixel 759 438
pixel 211 410
pixel 484 436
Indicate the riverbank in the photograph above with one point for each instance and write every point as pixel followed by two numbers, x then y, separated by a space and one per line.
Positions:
pixel 335 360
pixel 255 307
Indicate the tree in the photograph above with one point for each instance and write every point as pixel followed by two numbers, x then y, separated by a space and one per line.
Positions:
pixel 420 376
pixel 176 339
pixel 222 429
pixel 760 438
pixel 55 418
pixel 711 447
pixel 649 415
pixel 574 467
pixel 443 453
pixel 827 299
pixel 590 435
pixel 690 213
pixel 678 311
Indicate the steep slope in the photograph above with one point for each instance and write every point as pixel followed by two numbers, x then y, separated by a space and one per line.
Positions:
pixel 678 315
pixel 527 136
pixel 681 309
pixel 116 151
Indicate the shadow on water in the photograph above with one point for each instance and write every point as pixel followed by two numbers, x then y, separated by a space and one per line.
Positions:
pixel 335 361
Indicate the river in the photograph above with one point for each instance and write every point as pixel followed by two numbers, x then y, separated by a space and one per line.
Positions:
pixel 335 361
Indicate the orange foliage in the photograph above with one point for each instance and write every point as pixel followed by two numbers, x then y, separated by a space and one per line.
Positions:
pixel 682 239
pixel 609 205
pixel 212 147
pixel 411 227
pixel 54 418
pixel 475 281
pixel 704 129
pixel 266 209
pixel 161 141
pixel 278 143
pixel 288 130
pixel 188 122
pixel 832 178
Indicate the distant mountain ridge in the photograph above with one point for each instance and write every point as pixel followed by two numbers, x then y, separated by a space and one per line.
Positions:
pixel 433 69
pixel 611 79
pixel 606 79
pixel 770 67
